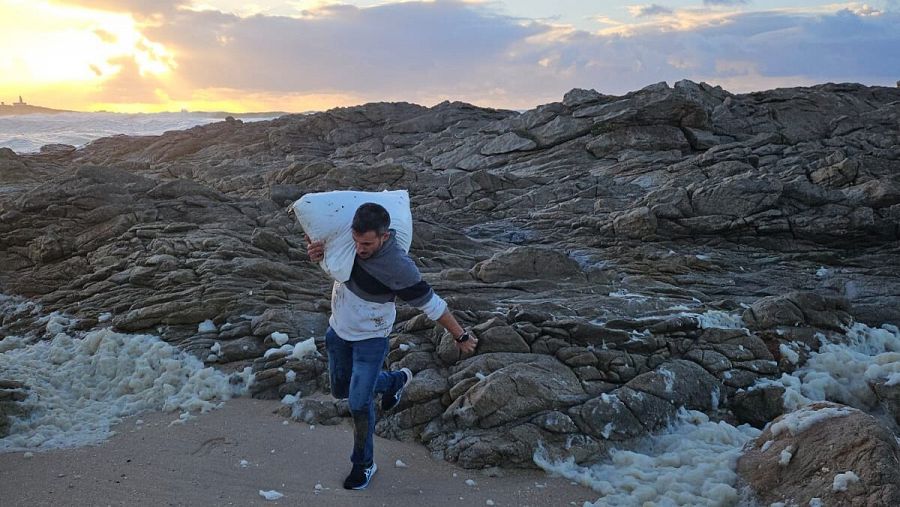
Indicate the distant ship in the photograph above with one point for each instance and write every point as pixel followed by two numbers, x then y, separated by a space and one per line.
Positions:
pixel 21 107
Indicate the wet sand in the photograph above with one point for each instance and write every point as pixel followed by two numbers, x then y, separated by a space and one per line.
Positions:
pixel 199 463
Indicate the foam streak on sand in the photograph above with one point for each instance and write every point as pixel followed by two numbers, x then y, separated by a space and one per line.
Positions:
pixel 79 387
pixel 691 464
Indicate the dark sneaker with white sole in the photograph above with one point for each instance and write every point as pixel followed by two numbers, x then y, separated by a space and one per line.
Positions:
pixel 390 400
pixel 360 476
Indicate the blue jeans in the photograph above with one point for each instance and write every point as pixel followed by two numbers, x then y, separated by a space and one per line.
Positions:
pixel 354 368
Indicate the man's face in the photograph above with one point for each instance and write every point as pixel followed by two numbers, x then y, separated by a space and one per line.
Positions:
pixel 368 242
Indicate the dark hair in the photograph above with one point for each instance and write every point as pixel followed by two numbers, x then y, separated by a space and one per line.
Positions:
pixel 371 217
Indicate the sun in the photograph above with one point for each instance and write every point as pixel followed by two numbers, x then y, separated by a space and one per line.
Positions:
pixel 49 44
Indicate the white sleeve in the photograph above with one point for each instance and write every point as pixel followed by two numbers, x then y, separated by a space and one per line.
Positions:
pixel 434 307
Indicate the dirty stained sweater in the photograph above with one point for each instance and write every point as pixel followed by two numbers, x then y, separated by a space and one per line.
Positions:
pixel 363 306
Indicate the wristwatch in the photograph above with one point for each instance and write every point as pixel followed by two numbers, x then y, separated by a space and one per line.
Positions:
pixel 463 337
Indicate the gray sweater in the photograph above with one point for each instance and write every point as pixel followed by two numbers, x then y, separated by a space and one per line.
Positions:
pixel 363 306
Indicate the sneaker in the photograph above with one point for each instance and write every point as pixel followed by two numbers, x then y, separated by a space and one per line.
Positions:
pixel 390 400
pixel 360 476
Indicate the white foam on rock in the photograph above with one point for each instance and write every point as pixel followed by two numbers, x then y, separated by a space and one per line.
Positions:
pixel 716 319
pixel 668 377
pixel 800 420
pixel 842 372
pixel 784 459
pixel 304 349
pixel 298 351
pixel 692 464
pixel 55 323
pixel 842 481
pixel 270 494
pixel 287 348
pixel 80 387
pixel 207 326
pixel 12 342
pixel 279 338
pixel 607 430
pixel 789 353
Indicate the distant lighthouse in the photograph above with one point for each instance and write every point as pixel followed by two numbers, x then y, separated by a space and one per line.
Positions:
pixel 20 102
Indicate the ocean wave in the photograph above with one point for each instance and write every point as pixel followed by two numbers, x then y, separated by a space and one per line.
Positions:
pixel 27 133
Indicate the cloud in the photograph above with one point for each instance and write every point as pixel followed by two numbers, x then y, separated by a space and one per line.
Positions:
pixel 107 37
pixel 141 7
pixel 724 2
pixel 641 11
pixel 129 84
pixel 377 51
pixel 448 49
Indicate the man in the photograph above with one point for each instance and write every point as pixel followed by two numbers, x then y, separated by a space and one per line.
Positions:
pixel 362 317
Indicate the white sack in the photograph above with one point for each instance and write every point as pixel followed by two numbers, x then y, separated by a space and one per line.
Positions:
pixel 327 216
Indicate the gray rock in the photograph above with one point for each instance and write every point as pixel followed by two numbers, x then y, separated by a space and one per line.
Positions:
pixel 524 263
pixel 515 391
pixel 501 339
pixel 798 308
pixel 849 441
pixel 640 223
pixel 888 396
pixel 644 138
pixel 758 406
pixel 507 143
pixel 296 324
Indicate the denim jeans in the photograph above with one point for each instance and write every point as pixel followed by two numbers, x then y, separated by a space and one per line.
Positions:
pixel 354 368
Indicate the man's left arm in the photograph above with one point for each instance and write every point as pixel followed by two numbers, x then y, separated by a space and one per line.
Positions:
pixel 464 340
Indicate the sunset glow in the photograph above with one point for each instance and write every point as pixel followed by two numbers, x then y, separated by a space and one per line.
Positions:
pixel 136 55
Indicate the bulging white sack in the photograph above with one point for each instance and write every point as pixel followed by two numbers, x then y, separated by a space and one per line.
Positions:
pixel 327 216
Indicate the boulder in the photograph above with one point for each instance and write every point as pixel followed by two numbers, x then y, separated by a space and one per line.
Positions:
pixel 520 262
pixel 799 308
pixel 640 223
pixel 888 395
pixel 810 453
pixel 507 143
pixel 643 138
pixel 516 391
pixel 758 406
pixel 297 324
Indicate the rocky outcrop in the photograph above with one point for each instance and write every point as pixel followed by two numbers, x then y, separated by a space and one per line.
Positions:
pixel 619 257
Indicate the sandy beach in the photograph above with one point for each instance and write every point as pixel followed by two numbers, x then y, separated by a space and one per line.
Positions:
pixel 227 456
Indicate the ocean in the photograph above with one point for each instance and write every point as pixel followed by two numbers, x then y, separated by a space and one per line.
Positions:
pixel 27 133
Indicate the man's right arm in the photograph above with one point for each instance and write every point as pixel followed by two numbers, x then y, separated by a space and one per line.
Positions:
pixel 315 250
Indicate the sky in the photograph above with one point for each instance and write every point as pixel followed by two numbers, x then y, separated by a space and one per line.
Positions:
pixel 304 55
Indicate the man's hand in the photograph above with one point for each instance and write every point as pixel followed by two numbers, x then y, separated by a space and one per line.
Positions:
pixel 468 346
pixel 315 250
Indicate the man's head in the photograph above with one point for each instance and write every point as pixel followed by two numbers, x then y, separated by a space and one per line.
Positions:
pixel 370 229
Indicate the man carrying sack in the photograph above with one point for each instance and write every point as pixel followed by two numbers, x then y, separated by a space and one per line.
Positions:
pixel 362 317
